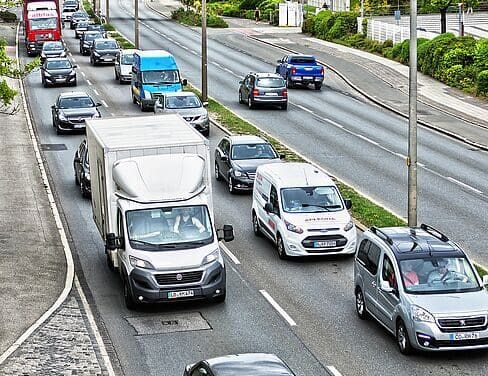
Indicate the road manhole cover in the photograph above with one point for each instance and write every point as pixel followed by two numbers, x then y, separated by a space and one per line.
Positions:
pixel 177 322
pixel 53 147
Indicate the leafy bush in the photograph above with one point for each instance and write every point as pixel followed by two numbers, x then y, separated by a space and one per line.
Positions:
pixel 396 51
pixel 308 24
pixel 405 52
pixel 190 17
pixel 388 52
pixel 482 82
pixel 214 20
pixel 8 16
pixel 481 54
pixel 387 43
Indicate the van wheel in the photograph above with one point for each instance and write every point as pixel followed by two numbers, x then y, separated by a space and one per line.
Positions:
pixel 110 263
pixel 130 303
pixel 217 172
pixel 360 305
pixel 255 225
pixel 280 246
pixel 134 100
pixel 402 339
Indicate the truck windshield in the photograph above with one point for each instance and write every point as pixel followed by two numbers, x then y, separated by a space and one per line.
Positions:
pixel 43 23
pixel 436 275
pixel 169 227
pixel 160 77
pixel 311 199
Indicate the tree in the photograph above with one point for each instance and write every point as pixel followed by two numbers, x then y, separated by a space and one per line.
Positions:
pixel 9 68
pixel 443 5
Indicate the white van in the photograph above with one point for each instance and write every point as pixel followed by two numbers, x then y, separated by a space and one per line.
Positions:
pixel 301 210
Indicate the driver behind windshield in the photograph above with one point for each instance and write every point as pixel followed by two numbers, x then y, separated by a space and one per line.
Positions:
pixel 441 273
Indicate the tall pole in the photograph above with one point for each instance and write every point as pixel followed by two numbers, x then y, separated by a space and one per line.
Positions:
pixel 136 23
pixel 107 11
pixel 204 52
pixel 412 120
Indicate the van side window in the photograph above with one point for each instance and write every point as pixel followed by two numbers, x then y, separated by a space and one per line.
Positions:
pixel 273 199
pixel 120 228
pixel 363 251
pixel 388 273
pixel 373 258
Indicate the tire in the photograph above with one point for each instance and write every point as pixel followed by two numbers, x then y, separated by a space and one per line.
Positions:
pixel 92 62
pixel 217 172
pixel 110 264
pixel 317 86
pixel 134 100
pixel 360 305
pixel 289 83
pixel 116 75
pixel 120 81
pixel 284 106
pixel 241 101
pixel 249 103
pixel 280 247
pixel 402 339
pixel 84 191
pixel 141 105
pixel 129 300
pixel 59 131
pixel 255 225
pixel 77 181
pixel 74 83
pixel 207 132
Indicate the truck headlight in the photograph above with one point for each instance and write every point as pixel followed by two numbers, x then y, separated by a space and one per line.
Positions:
pixel 147 94
pixel 420 314
pixel 349 225
pixel 211 257
pixel 140 263
pixel 291 227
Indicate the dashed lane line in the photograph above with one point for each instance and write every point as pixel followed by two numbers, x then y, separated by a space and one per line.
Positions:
pixel 229 253
pixel 333 371
pixel 83 73
pixel 104 103
pixel 88 82
pixel 467 186
pixel 278 308
pixel 96 92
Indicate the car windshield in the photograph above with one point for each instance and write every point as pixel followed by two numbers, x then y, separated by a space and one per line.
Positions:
pixel 253 151
pixel 53 47
pixel 76 102
pixel 271 82
pixel 58 64
pixel 127 59
pixel 169 227
pixel 43 23
pixel 160 77
pixel 183 101
pixel 106 45
pixel 90 37
pixel 302 60
pixel 311 199
pixel 435 275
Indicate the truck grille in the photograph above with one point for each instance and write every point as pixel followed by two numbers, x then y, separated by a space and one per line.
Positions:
pixel 462 324
pixel 179 278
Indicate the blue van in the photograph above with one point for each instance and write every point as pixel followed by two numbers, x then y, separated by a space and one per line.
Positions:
pixel 154 73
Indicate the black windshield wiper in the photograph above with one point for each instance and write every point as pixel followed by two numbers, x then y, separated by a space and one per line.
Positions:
pixel 142 242
pixel 325 207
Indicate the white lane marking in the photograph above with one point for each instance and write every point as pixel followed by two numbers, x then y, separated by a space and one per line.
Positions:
pixel 73 60
pixel 276 306
pixel 400 155
pixel 88 82
pixel 464 185
pixel 193 52
pixel 304 108
pixel 334 123
pixel 333 371
pixel 420 164
pixel 216 64
pixel 104 103
pixel 366 139
pixel 229 253
pixel 112 114
pixel 96 92
pixel 83 74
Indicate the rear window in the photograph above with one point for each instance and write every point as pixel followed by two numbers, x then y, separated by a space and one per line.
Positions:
pixel 303 60
pixel 271 82
pixel 106 45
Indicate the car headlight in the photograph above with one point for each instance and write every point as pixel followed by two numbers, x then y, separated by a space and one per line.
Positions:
pixel 349 225
pixel 420 314
pixel 238 173
pixel 62 117
pixel 47 74
pixel 87 176
pixel 211 257
pixel 291 227
pixel 147 94
pixel 140 263
pixel 62 54
pixel 96 53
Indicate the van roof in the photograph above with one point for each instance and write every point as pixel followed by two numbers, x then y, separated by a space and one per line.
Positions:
pixel 153 53
pixel 294 174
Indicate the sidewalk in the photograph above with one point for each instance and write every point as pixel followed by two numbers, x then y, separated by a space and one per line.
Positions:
pixel 33 265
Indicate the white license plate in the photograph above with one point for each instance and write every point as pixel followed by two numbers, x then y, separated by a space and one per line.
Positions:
pixel 308 78
pixel 327 243
pixel 180 294
pixel 108 59
pixel 77 126
pixel 461 336
pixel 271 94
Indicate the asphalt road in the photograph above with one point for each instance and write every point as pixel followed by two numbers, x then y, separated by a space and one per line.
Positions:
pixel 316 293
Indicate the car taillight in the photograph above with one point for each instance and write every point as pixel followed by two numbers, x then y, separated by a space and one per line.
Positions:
pixel 293 70
pixel 322 70
pixel 255 92
pixel 285 93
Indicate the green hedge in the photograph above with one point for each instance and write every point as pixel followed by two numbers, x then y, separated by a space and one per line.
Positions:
pixel 482 81
pixel 192 18
pixel 8 16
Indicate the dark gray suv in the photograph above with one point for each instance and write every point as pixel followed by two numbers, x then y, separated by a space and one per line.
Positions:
pixel 263 89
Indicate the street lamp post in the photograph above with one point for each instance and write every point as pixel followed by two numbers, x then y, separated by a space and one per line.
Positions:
pixel 136 23
pixel 107 11
pixel 204 53
pixel 412 120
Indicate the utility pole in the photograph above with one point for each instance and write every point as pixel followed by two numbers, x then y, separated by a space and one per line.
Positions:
pixel 461 19
pixel 136 23
pixel 107 11
pixel 204 52
pixel 412 119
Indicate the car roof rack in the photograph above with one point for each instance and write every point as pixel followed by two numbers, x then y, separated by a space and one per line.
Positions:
pixel 382 235
pixel 431 230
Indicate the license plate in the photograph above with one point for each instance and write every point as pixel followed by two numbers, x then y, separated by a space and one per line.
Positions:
pixel 79 125
pixel 327 243
pixel 461 336
pixel 108 59
pixel 180 294
pixel 308 78
pixel 272 94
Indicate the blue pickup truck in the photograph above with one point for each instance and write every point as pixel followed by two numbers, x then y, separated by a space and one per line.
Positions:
pixel 300 69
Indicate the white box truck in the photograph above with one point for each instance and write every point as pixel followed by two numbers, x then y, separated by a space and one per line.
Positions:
pixel 152 204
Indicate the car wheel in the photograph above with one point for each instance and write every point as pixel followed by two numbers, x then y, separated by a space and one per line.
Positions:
pixel 284 106
pixel 241 101
pixel 249 102
pixel 130 303
pixel 84 191
pixel 116 75
pixel 59 131
pixel 255 225
pixel 318 86
pixel 77 181
pixel 206 133
pixel 402 339
pixel 231 185
pixel 217 172
pixel 92 62
pixel 360 305
pixel 280 246
pixel 44 83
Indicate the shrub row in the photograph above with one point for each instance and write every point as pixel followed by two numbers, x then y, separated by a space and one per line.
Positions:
pixel 192 18
pixel 8 16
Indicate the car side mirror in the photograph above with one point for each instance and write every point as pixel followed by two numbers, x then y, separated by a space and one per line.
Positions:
pixel 75 66
pixel 282 156
pixel 268 208
pixel 348 203
pixel 485 280
pixel 53 107
pixel 385 287
pixel 228 235
pixel 241 82
pixel 224 158
pixel 278 61
pixel 184 82
pixel 98 104
pixel 111 242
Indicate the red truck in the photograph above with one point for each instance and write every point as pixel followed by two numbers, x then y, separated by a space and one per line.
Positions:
pixel 42 23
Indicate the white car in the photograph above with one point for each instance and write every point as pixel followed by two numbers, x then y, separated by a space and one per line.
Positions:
pixel 300 209
pixel 123 65
pixel 67 13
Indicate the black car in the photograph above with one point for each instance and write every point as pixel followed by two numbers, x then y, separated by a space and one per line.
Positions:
pixel 81 167
pixel 71 110
pixel 240 365
pixel 87 39
pixel 52 49
pixel 77 17
pixel 80 28
pixel 58 71
pixel 238 157
pixel 103 50
pixel 263 89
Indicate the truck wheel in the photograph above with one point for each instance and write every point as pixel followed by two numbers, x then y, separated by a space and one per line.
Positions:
pixel 318 86
pixel 130 303
pixel 289 83
pixel 110 263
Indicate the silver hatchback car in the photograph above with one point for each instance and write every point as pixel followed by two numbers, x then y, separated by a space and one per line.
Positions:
pixel 422 288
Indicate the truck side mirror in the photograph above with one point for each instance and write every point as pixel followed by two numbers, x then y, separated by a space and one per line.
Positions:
pixel 348 203
pixel 111 242
pixel 228 231
pixel 184 82
pixel 268 208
